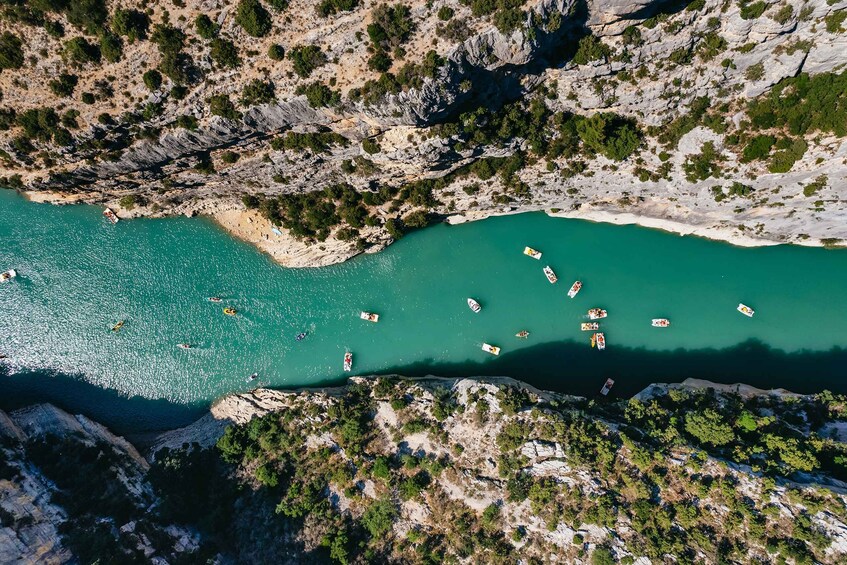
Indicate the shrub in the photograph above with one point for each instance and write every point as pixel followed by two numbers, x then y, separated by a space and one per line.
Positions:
pixel 88 15
pixel 129 201
pixel 319 95
pixel 187 122
pixel 611 135
pixel 379 62
pixel 257 92
pixel 87 98
pixel 169 39
pixel 370 146
pixel 206 28
pixel 131 24
pixel 755 72
pixel 253 17
pixel 224 53
pixel 708 426
pixel 276 52
pixel 221 105
pixel 757 148
pixel 445 13
pixel 590 49
pixel 152 79
pixel 752 11
pixel 813 187
pixel 378 519
pixel 507 20
pixel 64 85
pixel 702 165
pixel 782 161
pixel 328 7
pixel 391 27
pixel 278 5
pixel 11 51
pixel 306 59
pixel 230 157
pixel 835 20
pixel 78 51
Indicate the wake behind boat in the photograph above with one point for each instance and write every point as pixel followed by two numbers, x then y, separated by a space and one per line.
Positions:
pixel 110 215
pixel 348 361
pixel 589 326
pixel 575 288
pixel 8 275
pixel 492 349
pixel 746 310
pixel 474 305
pixel 660 322
pixel 551 276
pixel 368 316
pixel 535 254
pixel 597 314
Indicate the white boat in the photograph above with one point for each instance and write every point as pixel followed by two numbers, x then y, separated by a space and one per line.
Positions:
pixel 474 305
pixel 746 310
pixel 535 254
pixel 367 316
pixel 348 361
pixel 589 326
pixel 597 314
pixel 523 334
pixel 607 386
pixel 660 322
pixel 601 341
pixel 551 276
pixel 110 215
pixel 252 377
pixel 8 275
pixel 493 349
pixel 575 287
pixel 184 345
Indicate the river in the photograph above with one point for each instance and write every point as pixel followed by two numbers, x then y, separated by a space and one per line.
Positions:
pixel 79 275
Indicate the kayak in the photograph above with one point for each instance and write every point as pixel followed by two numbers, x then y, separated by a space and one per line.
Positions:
pixel 215 299
pixel 230 311
pixel 183 345
pixel 252 377
pixel 118 326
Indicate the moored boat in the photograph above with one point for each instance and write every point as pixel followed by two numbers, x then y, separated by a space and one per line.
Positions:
pixel 8 275
pixel 215 299
pixel 601 341
pixel 597 314
pixel 535 254
pixel 368 316
pixel 660 322
pixel 301 336
pixel 607 386
pixel 118 326
pixel 110 215
pixel 575 288
pixel 589 326
pixel 474 305
pixel 522 334
pixel 348 361
pixel 551 276
pixel 746 310
pixel 493 349
pixel 252 377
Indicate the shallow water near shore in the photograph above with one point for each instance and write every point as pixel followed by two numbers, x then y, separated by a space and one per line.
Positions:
pixel 79 275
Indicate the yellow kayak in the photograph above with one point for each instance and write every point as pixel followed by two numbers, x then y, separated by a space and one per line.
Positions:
pixel 230 311
pixel 118 326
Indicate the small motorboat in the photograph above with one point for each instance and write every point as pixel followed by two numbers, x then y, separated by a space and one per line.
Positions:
pixel 370 317
pixel 110 215
pixel 184 345
pixel 597 314
pixel 252 377
pixel 118 326
pixel 575 288
pixel 523 334
pixel 348 361
pixel 474 305
pixel 746 310
pixel 215 299
pixel 8 275
pixel 551 276
pixel 492 349
pixel 535 254
pixel 230 311
pixel 589 326
pixel 607 387
pixel 601 341
pixel 660 322
pixel 301 336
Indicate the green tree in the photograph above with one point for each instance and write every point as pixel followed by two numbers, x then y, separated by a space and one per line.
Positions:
pixel 206 28
pixel 111 47
pixel 224 53
pixel 378 519
pixel 11 51
pixel 78 52
pixel 253 17
pixel 152 79
pixel 131 24
pixel 64 85
pixel 306 59
pixel 709 427
pixel 257 92
pixel 221 105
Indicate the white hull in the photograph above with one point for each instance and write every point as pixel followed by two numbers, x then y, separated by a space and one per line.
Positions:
pixel 8 275
pixel 535 254
pixel 607 386
pixel 474 305
pixel 597 314
pixel 551 276
pixel 575 288
pixel 110 215
pixel 348 361
pixel 369 317
pixel 493 349
pixel 746 310
pixel 589 326
pixel 601 342
pixel 660 323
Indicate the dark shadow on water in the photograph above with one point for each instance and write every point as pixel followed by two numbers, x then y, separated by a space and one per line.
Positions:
pixel 575 368
pixel 121 414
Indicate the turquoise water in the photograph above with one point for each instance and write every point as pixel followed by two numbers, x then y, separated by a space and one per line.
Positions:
pixel 79 275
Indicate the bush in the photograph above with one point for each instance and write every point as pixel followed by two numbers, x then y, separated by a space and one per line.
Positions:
pixel 111 47
pixel 445 13
pixel 370 146
pixel 229 157
pixel 306 59
pixel 224 53
pixel 187 122
pixel 392 26
pixel 253 17
pixel 379 62
pixel 11 51
pixel 757 148
pixel 752 11
pixel 152 79
pixel 78 51
pixel 319 95
pixel 278 5
pixel 64 85
pixel 206 28
pixel 378 519
pixel 258 92
pixel 615 137
pixel 88 15
pixel 221 105
pixel 276 52
pixel 328 7
pixel 507 20
pixel 590 49
pixel 708 426
pixel 129 201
